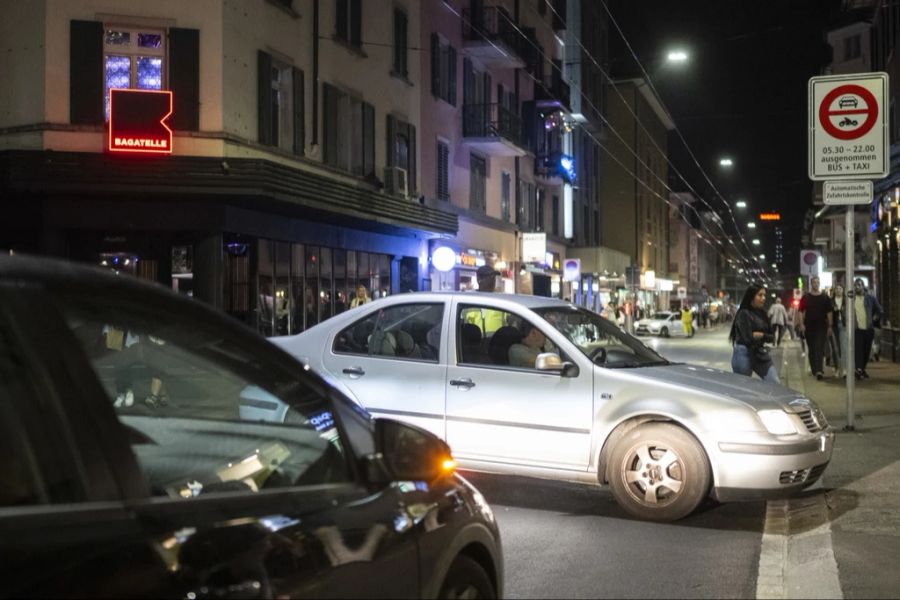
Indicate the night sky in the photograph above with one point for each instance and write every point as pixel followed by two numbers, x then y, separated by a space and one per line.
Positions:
pixel 742 93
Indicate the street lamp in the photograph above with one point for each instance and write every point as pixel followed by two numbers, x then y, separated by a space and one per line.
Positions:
pixel 751 225
pixel 756 241
pixel 677 56
pixel 741 204
pixel 726 162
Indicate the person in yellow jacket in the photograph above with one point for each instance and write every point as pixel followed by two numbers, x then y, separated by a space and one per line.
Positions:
pixel 687 321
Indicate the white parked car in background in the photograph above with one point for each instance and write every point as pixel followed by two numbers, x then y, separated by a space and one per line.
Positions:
pixel 664 324
pixel 536 386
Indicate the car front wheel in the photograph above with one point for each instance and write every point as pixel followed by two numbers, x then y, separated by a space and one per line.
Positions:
pixel 467 579
pixel 664 332
pixel 659 472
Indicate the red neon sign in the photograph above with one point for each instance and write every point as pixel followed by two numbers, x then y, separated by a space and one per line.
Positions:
pixel 137 121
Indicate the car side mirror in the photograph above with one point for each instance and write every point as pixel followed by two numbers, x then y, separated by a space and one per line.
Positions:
pixel 405 452
pixel 550 361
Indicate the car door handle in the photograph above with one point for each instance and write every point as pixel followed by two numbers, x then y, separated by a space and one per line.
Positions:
pixel 354 372
pixel 463 383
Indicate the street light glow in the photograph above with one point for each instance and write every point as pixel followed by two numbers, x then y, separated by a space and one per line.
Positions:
pixel 677 56
pixel 726 162
pixel 751 225
pixel 741 204
pixel 755 241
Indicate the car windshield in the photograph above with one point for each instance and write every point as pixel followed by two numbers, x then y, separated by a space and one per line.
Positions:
pixel 600 339
pixel 662 316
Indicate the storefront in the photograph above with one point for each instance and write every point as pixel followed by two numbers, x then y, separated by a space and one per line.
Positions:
pixel 454 262
pixel 278 262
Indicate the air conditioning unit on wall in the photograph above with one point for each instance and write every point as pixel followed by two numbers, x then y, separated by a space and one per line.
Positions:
pixel 396 181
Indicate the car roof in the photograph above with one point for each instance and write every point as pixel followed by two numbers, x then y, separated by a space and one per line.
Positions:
pixel 531 302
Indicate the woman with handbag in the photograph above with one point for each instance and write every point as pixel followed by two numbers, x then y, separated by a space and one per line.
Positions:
pixel 749 334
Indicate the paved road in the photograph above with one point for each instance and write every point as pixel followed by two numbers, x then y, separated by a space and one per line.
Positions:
pixel 566 540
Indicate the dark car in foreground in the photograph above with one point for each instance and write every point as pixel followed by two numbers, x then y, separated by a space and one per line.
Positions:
pixel 154 447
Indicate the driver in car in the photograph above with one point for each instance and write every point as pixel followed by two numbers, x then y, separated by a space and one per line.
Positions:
pixel 525 353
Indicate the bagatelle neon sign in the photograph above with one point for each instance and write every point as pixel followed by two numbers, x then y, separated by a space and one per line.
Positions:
pixel 137 121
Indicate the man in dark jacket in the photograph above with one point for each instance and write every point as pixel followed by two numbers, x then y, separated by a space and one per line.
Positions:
pixel 816 313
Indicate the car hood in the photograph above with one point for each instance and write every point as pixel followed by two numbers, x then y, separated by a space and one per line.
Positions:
pixel 756 393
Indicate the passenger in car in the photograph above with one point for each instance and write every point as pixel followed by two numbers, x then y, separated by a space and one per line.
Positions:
pixel 525 353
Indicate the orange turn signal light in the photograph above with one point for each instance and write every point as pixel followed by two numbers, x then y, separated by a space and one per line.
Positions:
pixel 448 464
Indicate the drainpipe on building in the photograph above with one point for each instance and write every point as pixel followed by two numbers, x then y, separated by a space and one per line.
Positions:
pixel 315 75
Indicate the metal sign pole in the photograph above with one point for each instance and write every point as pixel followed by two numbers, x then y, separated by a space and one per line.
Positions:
pixel 849 303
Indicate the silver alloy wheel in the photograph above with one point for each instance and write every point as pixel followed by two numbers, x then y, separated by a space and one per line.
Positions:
pixel 659 471
pixel 653 474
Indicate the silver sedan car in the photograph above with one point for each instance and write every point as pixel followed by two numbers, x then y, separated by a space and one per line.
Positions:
pixel 535 386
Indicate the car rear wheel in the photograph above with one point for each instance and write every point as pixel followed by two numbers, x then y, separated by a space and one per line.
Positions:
pixel 664 332
pixel 467 579
pixel 659 472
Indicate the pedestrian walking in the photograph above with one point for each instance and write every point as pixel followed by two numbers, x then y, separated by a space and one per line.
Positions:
pixel 816 313
pixel 838 327
pixel 750 332
pixel 778 319
pixel 866 311
pixel 687 320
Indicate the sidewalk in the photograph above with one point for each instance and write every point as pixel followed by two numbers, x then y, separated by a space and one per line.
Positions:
pixel 862 483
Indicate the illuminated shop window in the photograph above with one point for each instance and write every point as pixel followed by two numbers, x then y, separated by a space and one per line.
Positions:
pixel 132 58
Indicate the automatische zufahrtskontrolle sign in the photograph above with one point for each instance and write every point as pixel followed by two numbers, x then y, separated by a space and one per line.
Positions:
pixel 848 127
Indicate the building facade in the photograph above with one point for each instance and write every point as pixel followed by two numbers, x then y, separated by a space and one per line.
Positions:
pixel 293 172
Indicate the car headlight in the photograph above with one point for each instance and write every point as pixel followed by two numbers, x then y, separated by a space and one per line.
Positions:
pixel 777 422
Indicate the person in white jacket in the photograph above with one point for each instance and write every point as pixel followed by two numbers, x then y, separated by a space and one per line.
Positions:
pixel 778 318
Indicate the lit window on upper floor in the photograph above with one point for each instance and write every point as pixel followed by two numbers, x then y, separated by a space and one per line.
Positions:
pixel 132 59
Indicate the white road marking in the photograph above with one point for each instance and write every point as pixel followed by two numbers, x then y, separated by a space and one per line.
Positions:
pixel 796 559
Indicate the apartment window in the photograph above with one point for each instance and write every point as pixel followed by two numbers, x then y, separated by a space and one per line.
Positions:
pixel 348 21
pixel 596 227
pixel 443 171
pixel 477 183
pixel 281 104
pixel 349 132
pixel 400 52
pixel 443 70
pixel 401 149
pixel 852 47
pixel 132 58
pixel 505 184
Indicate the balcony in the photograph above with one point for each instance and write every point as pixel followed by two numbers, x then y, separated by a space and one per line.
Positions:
pixel 555 93
pixel 555 168
pixel 493 129
pixel 490 36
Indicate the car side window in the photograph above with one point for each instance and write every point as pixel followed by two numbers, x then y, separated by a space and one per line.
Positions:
pixel 19 484
pixel 405 331
pixel 203 414
pixel 491 337
pixel 37 466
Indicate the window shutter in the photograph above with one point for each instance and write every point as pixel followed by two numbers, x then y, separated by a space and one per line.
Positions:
pixel 356 22
pixel 329 117
pixel 435 65
pixel 184 77
pixel 299 112
pixel 468 82
pixel 341 19
pixel 412 158
pixel 390 159
pixel 264 84
pixel 452 74
pixel 86 72
pixel 368 138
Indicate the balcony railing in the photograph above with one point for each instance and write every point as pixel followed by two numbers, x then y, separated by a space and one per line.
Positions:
pixel 555 92
pixel 493 31
pixel 491 121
